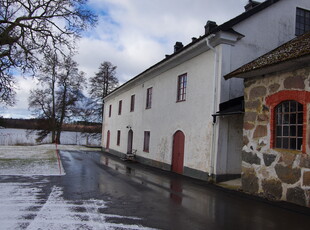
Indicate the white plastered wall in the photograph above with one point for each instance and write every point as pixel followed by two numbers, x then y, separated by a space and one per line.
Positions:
pixel 192 117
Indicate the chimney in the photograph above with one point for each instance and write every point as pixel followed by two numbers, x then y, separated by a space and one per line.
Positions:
pixel 251 4
pixel 210 26
pixel 178 46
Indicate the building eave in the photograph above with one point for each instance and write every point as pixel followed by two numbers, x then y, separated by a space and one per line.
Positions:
pixel 293 54
pixel 188 52
pixel 279 67
pixel 225 28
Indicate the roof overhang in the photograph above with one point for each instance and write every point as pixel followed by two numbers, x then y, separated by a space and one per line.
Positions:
pixel 300 62
pixel 232 107
pixel 188 52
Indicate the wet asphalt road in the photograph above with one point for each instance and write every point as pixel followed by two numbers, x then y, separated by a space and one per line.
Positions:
pixel 167 201
pixel 158 199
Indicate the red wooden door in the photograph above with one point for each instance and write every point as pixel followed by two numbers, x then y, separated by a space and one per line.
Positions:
pixel 108 140
pixel 178 152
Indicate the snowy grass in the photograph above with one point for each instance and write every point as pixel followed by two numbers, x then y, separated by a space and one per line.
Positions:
pixel 33 160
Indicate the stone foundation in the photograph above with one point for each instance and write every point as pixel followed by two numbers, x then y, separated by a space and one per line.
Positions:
pixel 276 174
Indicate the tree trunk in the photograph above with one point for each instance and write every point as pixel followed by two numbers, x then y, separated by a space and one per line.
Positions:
pixel 63 112
pixel 53 125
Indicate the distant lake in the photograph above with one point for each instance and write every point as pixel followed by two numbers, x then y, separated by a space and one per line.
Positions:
pixel 24 137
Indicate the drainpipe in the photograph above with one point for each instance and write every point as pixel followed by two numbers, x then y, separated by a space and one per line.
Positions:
pixel 214 103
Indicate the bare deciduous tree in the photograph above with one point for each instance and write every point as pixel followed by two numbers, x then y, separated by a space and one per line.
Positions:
pixel 61 86
pixel 29 29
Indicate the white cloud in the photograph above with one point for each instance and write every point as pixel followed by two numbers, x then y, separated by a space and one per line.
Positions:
pixel 135 34
pixel 20 110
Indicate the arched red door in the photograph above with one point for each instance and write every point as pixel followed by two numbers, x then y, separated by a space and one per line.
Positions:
pixel 178 152
pixel 108 140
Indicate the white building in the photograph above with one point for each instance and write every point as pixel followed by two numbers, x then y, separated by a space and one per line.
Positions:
pixel 168 113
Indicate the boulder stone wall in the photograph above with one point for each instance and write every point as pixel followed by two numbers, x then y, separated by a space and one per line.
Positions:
pixel 276 174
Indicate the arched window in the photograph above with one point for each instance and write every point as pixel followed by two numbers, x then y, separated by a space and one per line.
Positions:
pixel 289 125
pixel 288 121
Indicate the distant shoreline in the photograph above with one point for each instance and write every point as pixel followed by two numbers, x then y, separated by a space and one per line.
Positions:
pixel 41 124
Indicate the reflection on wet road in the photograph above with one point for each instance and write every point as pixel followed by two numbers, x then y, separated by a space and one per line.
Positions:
pixel 164 200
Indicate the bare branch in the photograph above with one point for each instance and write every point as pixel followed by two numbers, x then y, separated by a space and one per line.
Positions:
pixel 29 29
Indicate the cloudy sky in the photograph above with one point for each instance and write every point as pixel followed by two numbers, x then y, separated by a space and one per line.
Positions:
pixel 136 34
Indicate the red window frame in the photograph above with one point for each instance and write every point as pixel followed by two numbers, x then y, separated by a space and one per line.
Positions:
pixel 132 103
pixel 120 107
pixel 149 93
pixel 182 84
pixel 289 125
pixel 146 143
pixel 110 110
pixel 302 97
pixel 118 140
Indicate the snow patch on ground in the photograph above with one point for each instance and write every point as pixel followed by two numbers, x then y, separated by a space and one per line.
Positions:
pixel 31 167
pixel 17 200
pixel 29 160
pixel 21 208
pixel 34 160
pixel 38 151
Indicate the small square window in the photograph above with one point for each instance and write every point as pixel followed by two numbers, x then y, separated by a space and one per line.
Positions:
pixel 285 131
pixel 293 131
pixel 279 130
pixel 286 119
pixel 293 119
pixel 279 143
pixel 285 143
pixel 299 133
pixel 293 143
pixel 300 118
pixel 299 143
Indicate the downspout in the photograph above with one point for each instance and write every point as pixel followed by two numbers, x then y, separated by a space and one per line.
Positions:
pixel 214 103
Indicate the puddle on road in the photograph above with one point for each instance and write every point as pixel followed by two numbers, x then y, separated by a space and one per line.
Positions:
pixel 195 199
